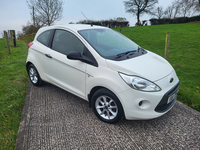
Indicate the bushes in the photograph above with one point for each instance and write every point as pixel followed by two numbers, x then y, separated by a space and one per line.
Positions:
pixel 155 21
pixel 181 20
pixel 115 24
pixel 106 23
pixel 194 18
pixel 90 22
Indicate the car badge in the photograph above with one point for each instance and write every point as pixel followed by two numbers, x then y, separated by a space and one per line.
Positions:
pixel 171 80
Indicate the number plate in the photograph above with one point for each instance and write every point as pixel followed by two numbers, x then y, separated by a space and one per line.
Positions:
pixel 172 97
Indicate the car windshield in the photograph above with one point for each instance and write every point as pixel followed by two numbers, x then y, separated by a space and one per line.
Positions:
pixel 107 42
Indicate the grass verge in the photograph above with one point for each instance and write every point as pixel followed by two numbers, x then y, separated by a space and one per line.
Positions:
pixel 13 87
pixel 184 54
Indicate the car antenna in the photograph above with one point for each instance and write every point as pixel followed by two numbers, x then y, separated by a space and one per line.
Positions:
pixel 87 19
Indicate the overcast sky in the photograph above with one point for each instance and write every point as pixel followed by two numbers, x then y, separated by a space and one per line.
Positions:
pixel 15 13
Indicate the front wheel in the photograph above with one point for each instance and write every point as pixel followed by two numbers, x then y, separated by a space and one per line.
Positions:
pixel 34 75
pixel 107 106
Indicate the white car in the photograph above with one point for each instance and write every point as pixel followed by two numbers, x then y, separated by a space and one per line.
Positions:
pixel 117 77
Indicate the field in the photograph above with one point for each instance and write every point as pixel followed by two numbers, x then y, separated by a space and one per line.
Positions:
pixel 184 54
pixel 13 85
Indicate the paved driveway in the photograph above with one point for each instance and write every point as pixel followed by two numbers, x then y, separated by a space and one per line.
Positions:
pixel 55 119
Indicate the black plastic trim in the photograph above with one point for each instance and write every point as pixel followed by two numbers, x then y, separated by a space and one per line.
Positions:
pixel 137 53
pixel 51 38
pixel 48 55
pixel 163 106
pixel 90 57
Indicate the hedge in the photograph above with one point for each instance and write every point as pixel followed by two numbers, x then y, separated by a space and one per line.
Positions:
pixel 155 21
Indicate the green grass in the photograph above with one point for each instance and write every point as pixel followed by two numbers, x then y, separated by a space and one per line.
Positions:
pixel 13 86
pixel 184 54
pixel 28 39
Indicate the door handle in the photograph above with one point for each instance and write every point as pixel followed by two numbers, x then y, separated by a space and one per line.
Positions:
pixel 48 55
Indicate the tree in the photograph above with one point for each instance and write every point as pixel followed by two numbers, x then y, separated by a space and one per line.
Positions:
pixel 45 12
pixel 158 12
pixel 29 28
pixel 186 7
pixel 173 11
pixel 139 7
pixel 177 7
pixel 120 19
pixel 197 5
pixel 169 12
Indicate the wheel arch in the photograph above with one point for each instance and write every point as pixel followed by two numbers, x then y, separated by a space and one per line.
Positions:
pixel 99 91
pixel 39 69
pixel 96 88
pixel 92 91
pixel 27 64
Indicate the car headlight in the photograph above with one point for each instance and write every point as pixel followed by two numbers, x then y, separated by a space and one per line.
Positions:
pixel 139 83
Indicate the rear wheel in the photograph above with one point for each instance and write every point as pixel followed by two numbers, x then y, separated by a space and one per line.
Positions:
pixel 34 75
pixel 107 107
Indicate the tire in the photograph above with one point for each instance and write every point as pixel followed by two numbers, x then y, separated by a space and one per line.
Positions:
pixel 107 106
pixel 34 75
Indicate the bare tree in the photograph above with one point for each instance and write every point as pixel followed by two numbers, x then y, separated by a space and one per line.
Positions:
pixel 173 11
pixel 196 6
pixel 45 12
pixel 158 12
pixel 169 12
pixel 139 7
pixel 187 6
pixel 177 7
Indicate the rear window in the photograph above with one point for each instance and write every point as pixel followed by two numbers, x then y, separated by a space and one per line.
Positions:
pixel 43 37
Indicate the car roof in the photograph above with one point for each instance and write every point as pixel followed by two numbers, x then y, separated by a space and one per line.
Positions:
pixel 78 27
pixel 73 27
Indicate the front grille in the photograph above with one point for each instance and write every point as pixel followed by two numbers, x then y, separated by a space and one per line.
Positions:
pixel 163 106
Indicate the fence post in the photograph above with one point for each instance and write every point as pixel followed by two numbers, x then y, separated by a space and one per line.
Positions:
pixel 120 30
pixel 7 40
pixel 13 37
pixel 167 45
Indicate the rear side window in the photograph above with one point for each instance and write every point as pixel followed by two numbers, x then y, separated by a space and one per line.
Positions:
pixel 43 37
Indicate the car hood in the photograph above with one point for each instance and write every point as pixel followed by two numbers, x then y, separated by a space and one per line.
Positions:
pixel 149 66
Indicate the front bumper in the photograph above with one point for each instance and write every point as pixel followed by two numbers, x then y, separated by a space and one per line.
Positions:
pixel 163 106
pixel 140 105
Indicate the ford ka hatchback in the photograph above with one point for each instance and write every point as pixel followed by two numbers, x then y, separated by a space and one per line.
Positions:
pixel 117 77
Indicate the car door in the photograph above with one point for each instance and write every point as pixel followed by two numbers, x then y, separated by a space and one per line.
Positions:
pixel 37 52
pixel 65 73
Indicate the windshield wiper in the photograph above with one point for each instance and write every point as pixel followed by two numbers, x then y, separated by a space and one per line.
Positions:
pixel 126 53
pixel 141 49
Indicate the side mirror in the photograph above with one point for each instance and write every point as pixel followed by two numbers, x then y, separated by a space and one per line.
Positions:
pixel 74 55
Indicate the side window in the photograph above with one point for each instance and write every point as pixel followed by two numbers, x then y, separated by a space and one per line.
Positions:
pixel 65 42
pixel 43 37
